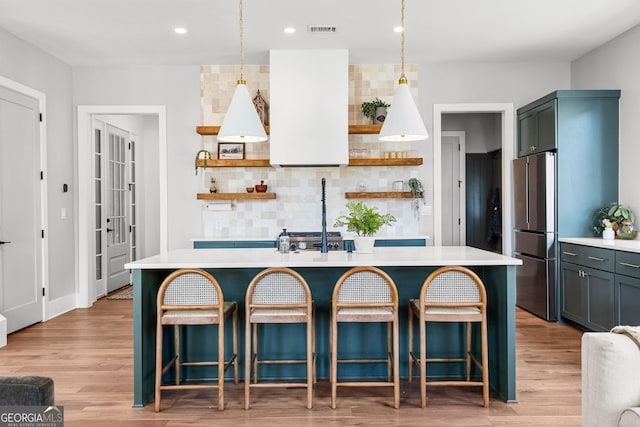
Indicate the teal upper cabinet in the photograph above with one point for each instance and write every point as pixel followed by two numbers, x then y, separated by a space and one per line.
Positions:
pixel 581 126
pixel 537 129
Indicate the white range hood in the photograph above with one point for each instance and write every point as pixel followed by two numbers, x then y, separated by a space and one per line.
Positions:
pixel 309 97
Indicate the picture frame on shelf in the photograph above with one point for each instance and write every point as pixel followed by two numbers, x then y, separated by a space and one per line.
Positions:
pixel 230 150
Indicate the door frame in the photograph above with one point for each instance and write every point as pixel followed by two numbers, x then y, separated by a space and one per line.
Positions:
pixel 506 110
pixel 86 293
pixel 48 308
pixel 463 181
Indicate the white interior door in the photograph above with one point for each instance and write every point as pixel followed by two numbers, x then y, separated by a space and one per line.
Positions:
pixel 20 218
pixel 117 208
pixel 453 188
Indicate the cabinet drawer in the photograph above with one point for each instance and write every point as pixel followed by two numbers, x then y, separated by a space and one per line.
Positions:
pixel 628 263
pixel 602 259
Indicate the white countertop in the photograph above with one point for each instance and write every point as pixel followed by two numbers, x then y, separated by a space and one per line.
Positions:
pixel 618 244
pixel 267 257
pixel 345 236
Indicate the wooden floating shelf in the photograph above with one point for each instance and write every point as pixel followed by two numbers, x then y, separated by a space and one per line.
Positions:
pixel 213 130
pixel 410 161
pixel 353 129
pixel 379 195
pixel 364 129
pixel 236 196
pixel 248 163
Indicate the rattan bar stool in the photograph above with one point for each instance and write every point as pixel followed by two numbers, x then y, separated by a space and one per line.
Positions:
pixel 366 294
pixel 278 295
pixel 450 294
pixel 193 297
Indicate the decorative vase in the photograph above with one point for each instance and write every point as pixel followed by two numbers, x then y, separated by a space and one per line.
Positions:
pixel 380 115
pixel 608 234
pixel 627 231
pixel 364 244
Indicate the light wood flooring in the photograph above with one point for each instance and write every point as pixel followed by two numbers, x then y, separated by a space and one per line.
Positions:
pixel 88 353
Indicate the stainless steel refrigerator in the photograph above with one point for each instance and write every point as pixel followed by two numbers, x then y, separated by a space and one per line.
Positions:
pixel 536 234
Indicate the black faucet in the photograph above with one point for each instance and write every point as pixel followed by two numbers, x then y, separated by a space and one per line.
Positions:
pixel 323 248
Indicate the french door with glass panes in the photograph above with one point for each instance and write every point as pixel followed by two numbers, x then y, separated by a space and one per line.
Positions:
pixel 115 242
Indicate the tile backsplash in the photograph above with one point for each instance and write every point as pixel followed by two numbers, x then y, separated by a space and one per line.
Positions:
pixel 298 203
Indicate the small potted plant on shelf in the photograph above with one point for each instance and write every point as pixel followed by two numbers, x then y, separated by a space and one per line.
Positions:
pixel 620 218
pixel 417 194
pixel 365 221
pixel 375 110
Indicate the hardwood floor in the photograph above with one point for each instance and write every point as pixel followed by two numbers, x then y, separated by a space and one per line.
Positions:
pixel 88 353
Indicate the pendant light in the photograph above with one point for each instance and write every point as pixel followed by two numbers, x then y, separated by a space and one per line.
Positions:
pixel 241 123
pixel 403 122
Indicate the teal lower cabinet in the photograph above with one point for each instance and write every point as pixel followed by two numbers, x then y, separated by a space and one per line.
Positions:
pixel 225 244
pixel 587 296
pixel 598 299
pixel 350 246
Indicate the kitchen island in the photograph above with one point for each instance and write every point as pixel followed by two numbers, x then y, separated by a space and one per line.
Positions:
pixel 407 266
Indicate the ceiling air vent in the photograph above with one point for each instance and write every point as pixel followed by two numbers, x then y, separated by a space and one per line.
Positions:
pixel 321 29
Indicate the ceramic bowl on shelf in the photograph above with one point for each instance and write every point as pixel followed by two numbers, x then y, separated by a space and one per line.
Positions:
pixel 249 189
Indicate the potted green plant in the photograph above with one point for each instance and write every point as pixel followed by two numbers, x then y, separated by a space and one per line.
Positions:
pixel 618 217
pixel 417 194
pixel 365 221
pixel 376 110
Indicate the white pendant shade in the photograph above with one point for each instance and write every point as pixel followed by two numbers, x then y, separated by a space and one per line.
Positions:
pixel 241 124
pixel 403 122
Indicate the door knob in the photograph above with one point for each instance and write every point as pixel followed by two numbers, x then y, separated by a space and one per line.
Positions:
pixel 3 243
pixel 109 229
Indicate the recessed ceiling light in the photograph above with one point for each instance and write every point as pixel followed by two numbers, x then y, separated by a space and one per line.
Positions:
pixel 180 30
pixel 397 30
pixel 289 30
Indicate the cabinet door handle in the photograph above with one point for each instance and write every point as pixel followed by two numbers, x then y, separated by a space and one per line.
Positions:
pixel 626 264
pixel 569 253
pixel 595 258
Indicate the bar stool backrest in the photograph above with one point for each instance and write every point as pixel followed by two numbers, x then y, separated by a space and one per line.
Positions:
pixel 278 286
pixel 365 285
pixel 453 286
pixel 190 288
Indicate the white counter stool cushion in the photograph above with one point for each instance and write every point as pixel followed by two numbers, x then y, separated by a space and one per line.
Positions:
pixel 366 294
pixel 278 295
pixel 610 379
pixel 193 297
pixel 450 294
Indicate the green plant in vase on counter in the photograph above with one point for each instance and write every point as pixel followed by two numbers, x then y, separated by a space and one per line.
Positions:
pixel 365 221
pixel 618 217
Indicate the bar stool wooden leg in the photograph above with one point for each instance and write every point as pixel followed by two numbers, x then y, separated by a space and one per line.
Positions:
pixel 423 364
pixel 176 349
pixel 333 374
pixel 396 362
pixel 158 366
pixel 310 364
pixel 255 352
pixel 389 351
pixel 468 351
pixel 410 342
pixel 235 346
pixel 485 362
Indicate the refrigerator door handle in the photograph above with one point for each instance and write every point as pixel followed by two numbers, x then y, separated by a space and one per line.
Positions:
pixel 527 193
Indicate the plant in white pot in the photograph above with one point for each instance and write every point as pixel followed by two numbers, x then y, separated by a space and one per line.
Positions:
pixel 365 221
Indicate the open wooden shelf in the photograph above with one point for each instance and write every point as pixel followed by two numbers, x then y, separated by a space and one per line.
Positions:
pixel 410 161
pixel 353 129
pixel 247 163
pixel 236 196
pixel 364 129
pixel 378 195
pixel 213 130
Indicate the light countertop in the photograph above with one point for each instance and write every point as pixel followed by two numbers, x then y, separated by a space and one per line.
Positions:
pixel 268 257
pixel 345 236
pixel 617 244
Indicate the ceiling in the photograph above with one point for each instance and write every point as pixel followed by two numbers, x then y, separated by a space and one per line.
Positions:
pixel 138 32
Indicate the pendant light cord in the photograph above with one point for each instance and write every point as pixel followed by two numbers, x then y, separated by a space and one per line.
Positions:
pixel 403 78
pixel 242 81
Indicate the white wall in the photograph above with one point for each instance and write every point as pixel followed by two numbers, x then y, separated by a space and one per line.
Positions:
pixel 483 130
pixel 34 68
pixel 178 88
pixel 616 65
